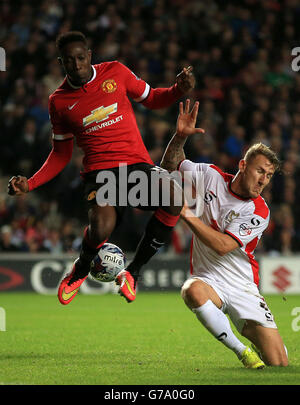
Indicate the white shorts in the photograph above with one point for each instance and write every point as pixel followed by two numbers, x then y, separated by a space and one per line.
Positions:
pixel 241 305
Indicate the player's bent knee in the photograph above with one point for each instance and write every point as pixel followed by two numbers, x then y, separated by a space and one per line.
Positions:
pixel 185 289
pixel 279 362
pixel 281 358
pixel 274 358
pixel 102 223
pixel 100 230
pixel 274 352
pixel 192 293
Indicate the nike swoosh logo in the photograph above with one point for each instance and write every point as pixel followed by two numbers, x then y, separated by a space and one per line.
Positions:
pixel 70 107
pixel 129 288
pixel 66 296
pixel 157 242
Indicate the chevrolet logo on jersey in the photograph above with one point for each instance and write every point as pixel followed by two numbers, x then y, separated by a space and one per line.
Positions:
pixel 100 114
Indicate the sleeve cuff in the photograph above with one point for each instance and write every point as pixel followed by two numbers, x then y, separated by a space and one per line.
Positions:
pixel 179 164
pixel 30 184
pixel 144 95
pixel 234 237
pixel 177 91
pixel 63 137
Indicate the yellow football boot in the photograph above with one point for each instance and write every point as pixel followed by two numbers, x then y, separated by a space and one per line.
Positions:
pixel 250 359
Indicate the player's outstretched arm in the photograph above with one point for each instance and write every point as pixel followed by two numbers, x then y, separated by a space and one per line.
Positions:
pixel 164 97
pixel 185 127
pixel 58 158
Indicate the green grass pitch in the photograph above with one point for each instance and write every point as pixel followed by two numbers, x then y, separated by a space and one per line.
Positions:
pixel 102 340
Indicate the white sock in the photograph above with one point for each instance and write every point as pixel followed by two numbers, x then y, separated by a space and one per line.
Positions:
pixel 217 323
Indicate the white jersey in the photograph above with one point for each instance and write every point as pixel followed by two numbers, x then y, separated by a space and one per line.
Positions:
pixel 242 219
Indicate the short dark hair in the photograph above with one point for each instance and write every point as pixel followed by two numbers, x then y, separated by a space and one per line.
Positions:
pixel 67 37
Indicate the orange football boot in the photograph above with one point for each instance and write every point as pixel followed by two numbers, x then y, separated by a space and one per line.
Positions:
pixel 127 285
pixel 69 286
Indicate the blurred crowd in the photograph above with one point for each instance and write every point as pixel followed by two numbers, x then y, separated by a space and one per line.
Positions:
pixel 241 52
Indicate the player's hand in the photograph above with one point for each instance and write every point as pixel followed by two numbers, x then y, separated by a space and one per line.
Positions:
pixel 17 185
pixel 186 80
pixel 186 212
pixel 186 121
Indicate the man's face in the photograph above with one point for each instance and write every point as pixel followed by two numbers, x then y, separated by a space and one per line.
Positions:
pixel 256 175
pixel 76 60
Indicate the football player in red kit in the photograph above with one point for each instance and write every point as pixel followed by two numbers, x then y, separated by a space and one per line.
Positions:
pixel 92 105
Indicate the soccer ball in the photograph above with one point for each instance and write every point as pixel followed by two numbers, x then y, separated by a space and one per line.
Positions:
pixel 108 262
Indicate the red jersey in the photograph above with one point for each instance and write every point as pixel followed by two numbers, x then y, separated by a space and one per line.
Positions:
pixel 99 115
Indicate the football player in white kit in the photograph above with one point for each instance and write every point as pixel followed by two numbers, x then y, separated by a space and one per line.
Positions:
pixel 224 273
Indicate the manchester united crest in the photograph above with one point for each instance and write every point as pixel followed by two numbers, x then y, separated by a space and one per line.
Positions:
pixel 92 195
pixel 109 86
